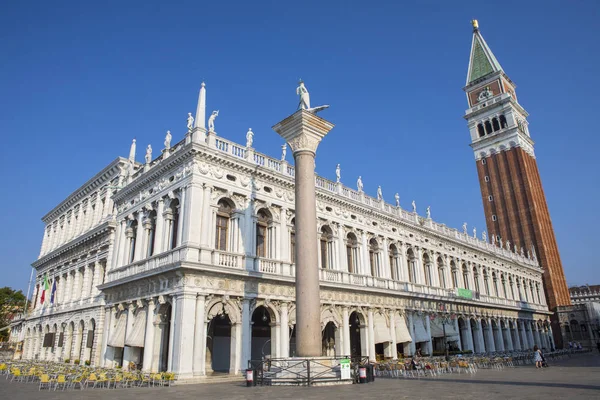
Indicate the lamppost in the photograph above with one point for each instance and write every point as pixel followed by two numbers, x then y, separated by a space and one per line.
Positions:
pixel 445 318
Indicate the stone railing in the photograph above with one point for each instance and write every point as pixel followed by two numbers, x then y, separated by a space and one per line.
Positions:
pixel 147 265
pixel 230 260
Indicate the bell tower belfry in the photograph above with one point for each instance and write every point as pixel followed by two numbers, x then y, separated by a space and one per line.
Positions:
pixel 511 189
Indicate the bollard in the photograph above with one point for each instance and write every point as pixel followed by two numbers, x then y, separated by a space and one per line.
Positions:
pixel 362 375
pixel 250 377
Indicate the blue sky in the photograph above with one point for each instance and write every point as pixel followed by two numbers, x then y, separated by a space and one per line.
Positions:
pixel 79 80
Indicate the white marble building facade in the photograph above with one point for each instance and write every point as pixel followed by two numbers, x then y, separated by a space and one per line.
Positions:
pixel 74 256
pixel 197 259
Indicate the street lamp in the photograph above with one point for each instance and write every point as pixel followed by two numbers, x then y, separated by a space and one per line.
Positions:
pixel 445 318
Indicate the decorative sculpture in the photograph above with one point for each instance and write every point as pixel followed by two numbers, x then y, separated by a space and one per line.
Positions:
pixel 283 151
pixel 304 103
pixel 493 239
pixel 168 140
pixel 428 212
pixel 508 245
pixel 484 236
pixel 379 193
pixel 414 206
pixel 516 249
pixel 132 151
pixel 522 252
pixel 249 137
pixel 148 154
pixel 397 197
pixel 500 242
pixel 302 91
pixel 464 228
pixel 359 184
pixel 211 121
pixel 338 173
pixel 474 232
pixel 190 122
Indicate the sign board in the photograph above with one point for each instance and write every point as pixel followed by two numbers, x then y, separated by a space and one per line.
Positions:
pixel 465 293
pixel 345 369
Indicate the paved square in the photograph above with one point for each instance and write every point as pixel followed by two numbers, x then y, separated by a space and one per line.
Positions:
pixel 576 377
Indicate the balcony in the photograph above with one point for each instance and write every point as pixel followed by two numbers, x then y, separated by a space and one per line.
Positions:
pixel 248 264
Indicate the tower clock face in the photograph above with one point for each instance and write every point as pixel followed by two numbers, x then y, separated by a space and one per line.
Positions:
pixel 485 94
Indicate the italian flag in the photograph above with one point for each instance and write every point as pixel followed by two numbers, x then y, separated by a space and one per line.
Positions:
pixel 45 287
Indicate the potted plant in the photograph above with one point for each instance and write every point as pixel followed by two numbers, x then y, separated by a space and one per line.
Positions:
pixel 67 360
pixel 76 362
pixel 88 362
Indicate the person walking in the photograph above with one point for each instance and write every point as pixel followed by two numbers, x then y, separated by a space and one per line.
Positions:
pixel 537 356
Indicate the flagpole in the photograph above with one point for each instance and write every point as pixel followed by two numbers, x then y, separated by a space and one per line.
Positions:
pixel 28 289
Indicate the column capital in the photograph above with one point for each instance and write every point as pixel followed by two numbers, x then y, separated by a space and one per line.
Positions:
pixel 303 130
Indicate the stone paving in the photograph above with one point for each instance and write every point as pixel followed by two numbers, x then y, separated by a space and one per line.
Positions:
pixel 577 377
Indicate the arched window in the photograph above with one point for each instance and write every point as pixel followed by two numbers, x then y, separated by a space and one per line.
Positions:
pixel 584 331
pixel 441 274
pixel 454 272
pixel 394 262
pixel 575 332
pixel 486 282
pixel 532 292
pixel 495 283
pixel 465 274
pixel 352 253
pixel 481 130
pixel 488 127
pixel 326 242
pixel 537 292
pixel 525 291
pixel 503 123
pixel 172 223
pixel 222 225
pixel 264 232
pixel 293 241
pixel 427 269
pixel 476 279
pixel 412 266
pixel 495 124
pixel 374 257
pixel 504 292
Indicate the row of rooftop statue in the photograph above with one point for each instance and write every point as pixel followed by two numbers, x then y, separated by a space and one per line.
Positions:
pixel 304 104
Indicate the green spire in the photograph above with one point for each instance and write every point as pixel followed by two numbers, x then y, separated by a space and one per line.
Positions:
pixel 482 61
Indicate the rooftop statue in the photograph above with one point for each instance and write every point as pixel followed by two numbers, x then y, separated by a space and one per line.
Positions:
pixel 474 232
pixel 168 140
pixel 359 184
pixel 484 236
pixel 283 151
pixel 464 228
pixel 379 193
pixel 148 154
pixel 428 212
pixel 414 206
pixel 338 173
pixel 249 137
pixel 190 122
pixel 397 197
pixel 211 121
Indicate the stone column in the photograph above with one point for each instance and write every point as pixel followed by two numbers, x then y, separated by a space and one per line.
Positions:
pixel 182 216
pixel 393 334
pixel 139 237
pixel 303 131
pixel 192 212
pixel 538 339
pixel 183 334
pixel 158 233
pixel 346 331
pixel 371 327
pixel 530 334
pixel 517 341
pixel 171 333
pixel 481 347
pixel 246 338
pixel 411 329
pixel 97 280
pixel 149 337
pixel 284 335
pixel 490 334
pixel 457 329
pixel 199 334
pixel 509 342
pixel 428 329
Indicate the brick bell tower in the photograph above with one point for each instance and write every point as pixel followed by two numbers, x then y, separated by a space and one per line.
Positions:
pixel 511 189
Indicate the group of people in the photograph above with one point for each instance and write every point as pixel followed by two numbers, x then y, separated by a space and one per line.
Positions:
pixel 575 346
